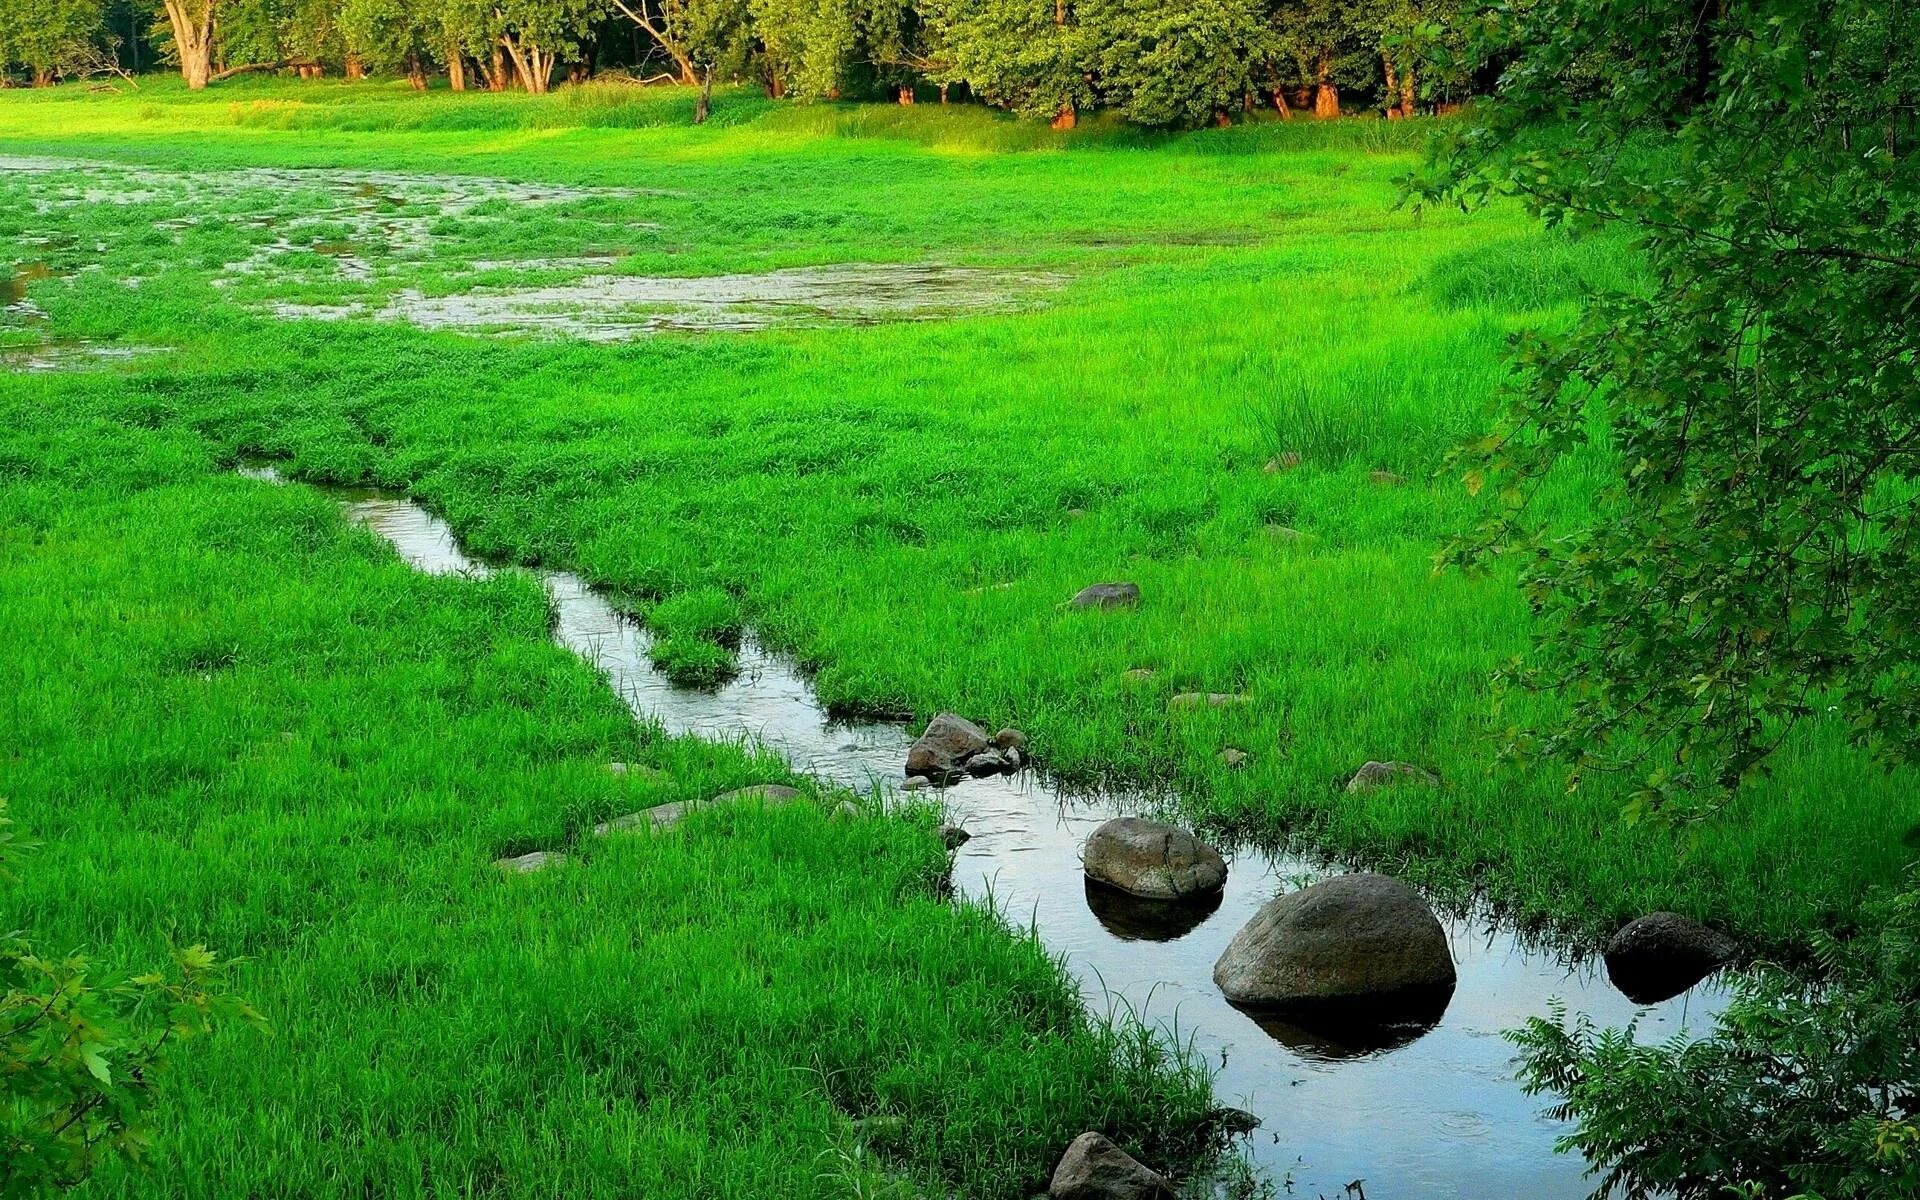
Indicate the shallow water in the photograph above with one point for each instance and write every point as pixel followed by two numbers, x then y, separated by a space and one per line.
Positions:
pixel 617 308
pixel 1421 1114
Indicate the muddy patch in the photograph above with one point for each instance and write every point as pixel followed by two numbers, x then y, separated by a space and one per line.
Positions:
pixel 1429 1111
pixel 614 308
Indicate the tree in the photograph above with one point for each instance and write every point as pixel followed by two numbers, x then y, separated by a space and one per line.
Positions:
pixel 1032 56
pixel 1325 42
pixel 388 35
pixel 1758 557
pixel 44 35
pixel 713 36
pixel 1180 63
pixel 79 1053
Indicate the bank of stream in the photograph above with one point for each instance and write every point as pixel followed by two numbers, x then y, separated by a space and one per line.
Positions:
pixel 1415 1114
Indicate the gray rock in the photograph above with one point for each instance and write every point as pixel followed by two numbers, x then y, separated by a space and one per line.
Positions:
pixel 1385 478
pixel 953 837
pixel 1207 699
pixel 915 782
pixel 1233 1121
pixel 1285 533
pixel 1149 859
pixel 527 864
pixel 1663 954
pixel 1285 462
pixel 1093 1168
pixel 1233 758
pixel 944 748
pixel 1010 739
pixel 1137 674
pixel 1107 595
pixel 660 817
pixel 769 794
pixel 992 762
pixel 1375 775
pixel 846 810
pixel 1363 945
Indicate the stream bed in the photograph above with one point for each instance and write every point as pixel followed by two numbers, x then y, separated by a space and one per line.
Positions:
pixel 1420 1114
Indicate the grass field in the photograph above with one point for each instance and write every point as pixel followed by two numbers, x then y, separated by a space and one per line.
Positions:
pixel 233 715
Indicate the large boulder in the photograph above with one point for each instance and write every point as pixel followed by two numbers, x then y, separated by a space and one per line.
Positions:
pixel 1107 595
pixel 946 746
pixel 770 794
pixel 1152 860
pixel 1663 954
pixel 1093 1168
pixel 1365 946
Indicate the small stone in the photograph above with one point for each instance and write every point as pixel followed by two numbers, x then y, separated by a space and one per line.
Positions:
pixel 1285 462
pixel 1662 954
pixel 526 864
pixel 1107 595
pixel 1285 533
pixel 1093 1168
pixel 1152 860
pixel 1137 674
pixel 953 837
pixel 988 762
pixel 1231 1121
pixel 1010 739
pixel 1207 699
pixel 1076 513
pixel 1234 758
pixel 1375 775
pixel 949 741
pixel 915 782
pixel 769 794
pixel 660 817
pixel 1385 478
pixel 846 810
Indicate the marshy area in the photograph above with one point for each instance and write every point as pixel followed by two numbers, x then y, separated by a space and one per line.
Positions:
pixel 382 502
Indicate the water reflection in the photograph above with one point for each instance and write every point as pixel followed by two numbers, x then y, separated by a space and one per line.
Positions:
pixel 1133 919
pixel 1426 1110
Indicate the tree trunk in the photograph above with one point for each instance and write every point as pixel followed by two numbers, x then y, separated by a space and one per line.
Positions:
pixel 906 94
pixel 416 72
pixel 355 68
pixel 456 69
pixel 1393 87
pixel 776 85
pixel 1326 97
pixel 42 77
pixel 943 93
pixel 1409 97
pixel 1280 105
pixel 1066 118
pixel 497 80
pixel 704 104
pixel 193 38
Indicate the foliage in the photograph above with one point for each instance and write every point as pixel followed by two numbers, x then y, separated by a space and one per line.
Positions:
pixel 1753 563
pixel 1178 64
pixel 1805 1089
pixel 41 34
pixel 79 1052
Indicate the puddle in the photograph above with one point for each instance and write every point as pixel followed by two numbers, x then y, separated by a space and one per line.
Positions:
pixel 1420 1114
pixel 70 354
pixel 615 308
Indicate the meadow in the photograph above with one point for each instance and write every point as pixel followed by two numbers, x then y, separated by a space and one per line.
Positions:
pixel 232 716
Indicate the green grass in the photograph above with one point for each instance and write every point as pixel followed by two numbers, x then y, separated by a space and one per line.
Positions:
pixel 1234 295
pixel 232 717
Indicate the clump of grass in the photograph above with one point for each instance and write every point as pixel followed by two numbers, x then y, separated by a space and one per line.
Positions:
pixel 707 613
pixel 1527 274
pixel 692 661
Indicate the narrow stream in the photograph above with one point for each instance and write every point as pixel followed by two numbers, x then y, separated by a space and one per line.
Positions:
pixel 1428 1115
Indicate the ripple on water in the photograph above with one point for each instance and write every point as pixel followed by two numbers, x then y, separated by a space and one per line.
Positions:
pixel 1429 1111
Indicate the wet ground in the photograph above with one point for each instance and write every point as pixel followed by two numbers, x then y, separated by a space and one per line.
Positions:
pixel 394 246
pixel 1417 1114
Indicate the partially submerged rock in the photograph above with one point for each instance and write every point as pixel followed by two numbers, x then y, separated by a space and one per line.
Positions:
pixel 953 746
pixel 1155 861
pixel 1375 775
pixel 527 864
pixel 945 747
pixel 953 836
pixel 1093 1168
pixel 1355 944
pixel 1136 919
pixel 1663 954
pixel 1107 595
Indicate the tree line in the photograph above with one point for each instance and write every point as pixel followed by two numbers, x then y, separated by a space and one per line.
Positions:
pixel 1157 62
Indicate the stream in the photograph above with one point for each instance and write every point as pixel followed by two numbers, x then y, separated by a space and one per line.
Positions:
pixel 1420 1114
